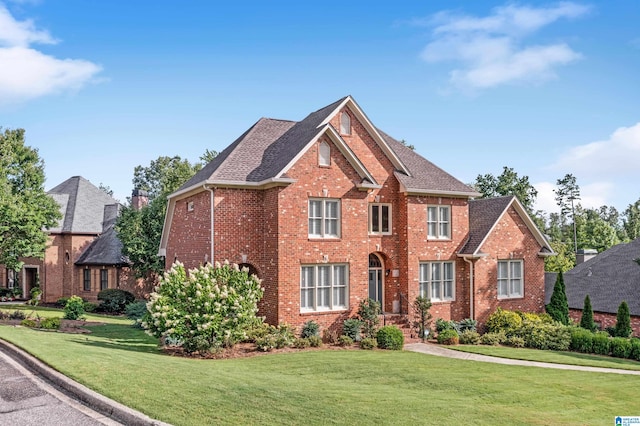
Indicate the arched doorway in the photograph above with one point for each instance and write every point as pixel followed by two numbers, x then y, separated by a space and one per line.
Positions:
pixel 376 277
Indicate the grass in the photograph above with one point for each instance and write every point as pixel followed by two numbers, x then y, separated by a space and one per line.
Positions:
pixel 46 312
pixel 327 386
pixel 555 357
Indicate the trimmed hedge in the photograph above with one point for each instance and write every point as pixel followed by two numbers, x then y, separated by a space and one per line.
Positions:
pixel 390 337
pixel 115 300
pixel 581 340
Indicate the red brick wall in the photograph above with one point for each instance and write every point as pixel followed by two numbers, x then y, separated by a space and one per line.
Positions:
pixel 190 233
pixel 606 320
pixel 510 239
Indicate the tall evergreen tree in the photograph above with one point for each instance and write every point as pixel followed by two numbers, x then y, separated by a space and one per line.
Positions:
pixel 558 306
pixel 623 321
pixel 586 321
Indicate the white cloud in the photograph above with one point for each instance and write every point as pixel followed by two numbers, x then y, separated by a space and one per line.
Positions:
pixel 491 50
pixel 617 156
pixel 26 73
pixel 592 195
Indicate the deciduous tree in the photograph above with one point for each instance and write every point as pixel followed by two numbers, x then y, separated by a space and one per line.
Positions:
pixel 508 183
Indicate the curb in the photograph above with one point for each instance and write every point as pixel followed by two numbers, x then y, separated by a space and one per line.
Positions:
pixel 86 396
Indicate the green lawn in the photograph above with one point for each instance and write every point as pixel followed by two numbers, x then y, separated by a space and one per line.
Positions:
pixel 555 357
pixel 45 312
pixel 327 386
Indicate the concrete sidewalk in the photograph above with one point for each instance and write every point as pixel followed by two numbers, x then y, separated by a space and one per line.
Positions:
pixel 431 349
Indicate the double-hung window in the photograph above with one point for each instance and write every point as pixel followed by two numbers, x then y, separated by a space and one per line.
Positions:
pixel 324 218
pixel 104 279
pixel 324 287
pixel 437 281
pixel 380 219
pixel 439 222
pixel 510 280
pixel 86 279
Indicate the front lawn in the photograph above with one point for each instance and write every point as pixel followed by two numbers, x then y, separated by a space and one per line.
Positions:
pixel 46 312
pixel 555 357
pixel 327 386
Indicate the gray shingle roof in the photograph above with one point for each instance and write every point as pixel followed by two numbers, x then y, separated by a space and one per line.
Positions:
pixel 264 150
pixel 106 250
pixel 609 278
pixel 82 205
pixel 483 215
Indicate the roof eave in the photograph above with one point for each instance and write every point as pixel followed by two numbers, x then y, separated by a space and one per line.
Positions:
pixel 456 194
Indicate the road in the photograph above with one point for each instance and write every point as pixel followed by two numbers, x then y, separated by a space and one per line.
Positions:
pixel 27 400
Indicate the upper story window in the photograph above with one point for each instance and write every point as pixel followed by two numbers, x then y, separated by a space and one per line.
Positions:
pixel 324 287
pixel 439 222
pixel 324 218
pixel 437 281
pixel 324 154
pixel 345 124
pixel 510 279
pixel 380 219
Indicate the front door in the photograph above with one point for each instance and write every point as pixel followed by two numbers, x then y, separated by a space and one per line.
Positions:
pixel 375 278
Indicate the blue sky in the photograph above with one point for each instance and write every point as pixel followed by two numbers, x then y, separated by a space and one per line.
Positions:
pixel 547 88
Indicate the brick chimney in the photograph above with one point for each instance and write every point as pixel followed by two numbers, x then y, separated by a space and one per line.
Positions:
pixel 139 199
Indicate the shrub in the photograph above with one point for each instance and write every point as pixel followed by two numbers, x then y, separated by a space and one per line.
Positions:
pixel 601 343
pixel 442 325
pixel 448 337
pixel 17 315
pixel 493 338
pixel 74 309
pixel 635 349
pixel 3 315
pixel 621 347
pixel 581 340
pixel 284 335
pixel 558 306
pixel 467 324
pixel 50 323
pixel 258 331
pixel 368 313
pixel 611 330
pixel 90 307
pixel 368 343
pixel 114 300
pixel 310 328
pixel 351 327
pixel 503 320
pixel 315 341
pixel 623 321
pixel 586 320
pixel 515 341
pixel 301 343
pixel 390 337
pixel 330 336
pixel 28 323
pixel 136 310
pixel 469 337
pixel 266 343
pixel 62 302
pixel 539 335
pixel 215 303
pixel 421 308
pixel 345 340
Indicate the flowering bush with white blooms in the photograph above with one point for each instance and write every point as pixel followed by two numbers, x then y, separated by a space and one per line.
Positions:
pixel 210 308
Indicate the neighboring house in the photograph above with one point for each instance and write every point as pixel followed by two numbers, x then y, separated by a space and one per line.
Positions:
pixel 608 278
pixel 83 255
pixel 330 210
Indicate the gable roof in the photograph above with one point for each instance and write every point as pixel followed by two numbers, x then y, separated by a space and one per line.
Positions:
pixel 484 215
pixel 82 205
pixel 608 278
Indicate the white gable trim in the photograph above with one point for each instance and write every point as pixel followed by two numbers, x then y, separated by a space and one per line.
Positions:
pixel 362 117
pixel 342 146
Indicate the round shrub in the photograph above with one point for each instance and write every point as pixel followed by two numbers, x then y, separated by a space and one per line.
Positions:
pixel 390 337
pixel 114 300
pixel 581 340
pixel 469 337
pixel 493 339
pixel 620 347
pixel 136 310
pixel 90 307
pixel 301 343
pixel 28 323
pixel 635 349
pixel 266 343
pixel 345 340
pixel 467 324
pixel 540 335
pixel 601 343
pixel 315 341
pixel 515 341
pixel 503 320
pixel 62 302
pixel 351 327
pixel 74 309
pixel 310 328
pixel 50 323
pixel 442 325
pixel 368 343
pixel 448 337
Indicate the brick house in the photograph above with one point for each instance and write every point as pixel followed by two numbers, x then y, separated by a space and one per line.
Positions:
pixel 609 278
pixel 330 210
pixel 83 255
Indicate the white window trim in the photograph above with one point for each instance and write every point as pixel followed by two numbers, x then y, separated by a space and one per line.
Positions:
pixel 438 222
pixel 323 233
pixel 345 119
pixel 390 231
pixel 332 307
pixel 509 279
pixel 425 282
pixel 324 145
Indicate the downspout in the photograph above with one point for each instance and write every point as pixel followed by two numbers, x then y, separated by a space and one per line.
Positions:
pixel 471 299
pixel 211 214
